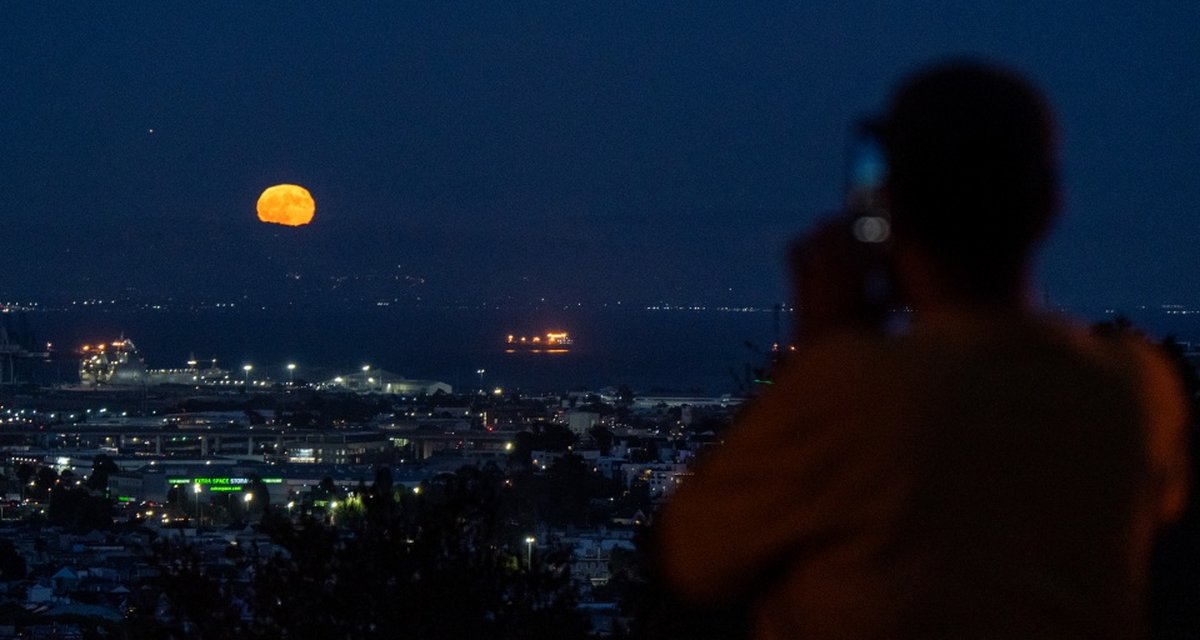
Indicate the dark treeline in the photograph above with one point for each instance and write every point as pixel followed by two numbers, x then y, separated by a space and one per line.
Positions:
pixel 450 562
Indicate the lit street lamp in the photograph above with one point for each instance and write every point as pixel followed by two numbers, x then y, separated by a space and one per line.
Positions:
pixel 291 373
pixel 196 488
pixel 247 368
pixel 480 372
pixel 529 540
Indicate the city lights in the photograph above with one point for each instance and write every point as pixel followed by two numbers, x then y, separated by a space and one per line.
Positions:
pixel 609 216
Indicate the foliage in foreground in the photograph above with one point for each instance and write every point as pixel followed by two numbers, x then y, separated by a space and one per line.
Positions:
pixel 448 563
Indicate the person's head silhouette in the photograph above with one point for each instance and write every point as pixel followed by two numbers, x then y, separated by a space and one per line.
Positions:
pixel 972 182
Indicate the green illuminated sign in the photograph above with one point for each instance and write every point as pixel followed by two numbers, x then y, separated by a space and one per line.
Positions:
pixel 214 483
pixel 219 481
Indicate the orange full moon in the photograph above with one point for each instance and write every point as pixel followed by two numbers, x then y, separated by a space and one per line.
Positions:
pixel 287 204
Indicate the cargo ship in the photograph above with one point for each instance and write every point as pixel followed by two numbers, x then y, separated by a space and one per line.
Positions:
pixel 550 342
pixel 119 363
pixel 116 363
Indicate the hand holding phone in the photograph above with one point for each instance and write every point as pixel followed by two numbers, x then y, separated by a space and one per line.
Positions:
pixel 838 281
pixel 842 271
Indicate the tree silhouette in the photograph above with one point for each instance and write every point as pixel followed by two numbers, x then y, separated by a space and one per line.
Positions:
pixel 25 473
pixel 102 467
pixel 548 437
pixel 44 482
pixel 445 563
pixel 12 564
pixel 603 438
pixel 195 603
pixel 76 508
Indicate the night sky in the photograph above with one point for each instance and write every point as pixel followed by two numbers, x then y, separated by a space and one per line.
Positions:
pixel 587 152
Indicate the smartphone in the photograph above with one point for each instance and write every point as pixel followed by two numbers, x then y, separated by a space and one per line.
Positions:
pixel 866 167
pixel 870 224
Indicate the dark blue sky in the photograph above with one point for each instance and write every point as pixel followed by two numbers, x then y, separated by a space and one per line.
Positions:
pixel 634 151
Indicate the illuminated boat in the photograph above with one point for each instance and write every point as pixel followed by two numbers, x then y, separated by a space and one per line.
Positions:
pixel 550 342
pixel 119 363
pixel 115 363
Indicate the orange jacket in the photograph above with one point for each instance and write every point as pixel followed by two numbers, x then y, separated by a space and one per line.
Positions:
pixel 997 477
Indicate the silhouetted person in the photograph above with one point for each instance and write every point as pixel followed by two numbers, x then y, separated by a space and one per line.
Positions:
pixel 989 472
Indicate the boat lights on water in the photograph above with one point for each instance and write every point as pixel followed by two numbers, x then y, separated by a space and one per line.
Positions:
pixel 553 342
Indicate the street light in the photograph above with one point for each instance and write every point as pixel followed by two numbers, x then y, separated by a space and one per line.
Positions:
pixel 291 373
pixel 196 488
pixel 480 372
pixel 529 540
pixel 247 368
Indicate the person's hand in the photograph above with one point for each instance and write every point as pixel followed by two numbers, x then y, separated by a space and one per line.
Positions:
pixel 836 281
